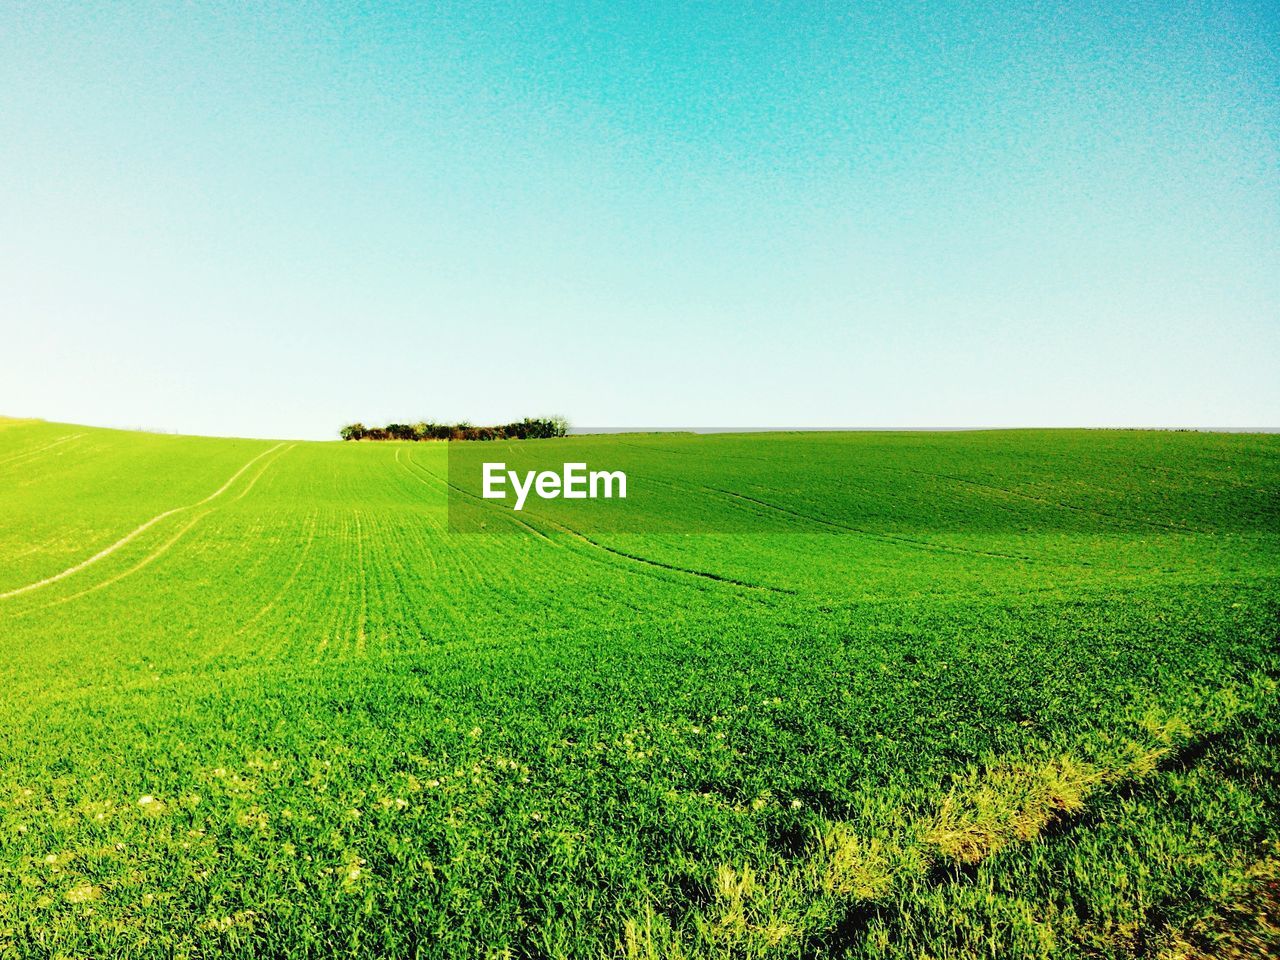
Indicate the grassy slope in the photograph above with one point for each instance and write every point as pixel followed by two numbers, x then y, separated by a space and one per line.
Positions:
pixel 358 731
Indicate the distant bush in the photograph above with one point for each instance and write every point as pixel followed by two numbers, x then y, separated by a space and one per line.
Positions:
pixel 526 429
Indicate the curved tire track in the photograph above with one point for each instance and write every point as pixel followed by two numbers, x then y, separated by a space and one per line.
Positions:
pixel 138 531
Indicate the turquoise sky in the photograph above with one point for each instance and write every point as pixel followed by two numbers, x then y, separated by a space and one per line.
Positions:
pixel 272 219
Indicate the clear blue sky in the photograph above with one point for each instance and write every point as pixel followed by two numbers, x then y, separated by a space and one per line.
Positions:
pixel 268 220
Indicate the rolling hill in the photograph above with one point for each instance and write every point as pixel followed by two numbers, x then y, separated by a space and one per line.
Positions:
pixel 1006 693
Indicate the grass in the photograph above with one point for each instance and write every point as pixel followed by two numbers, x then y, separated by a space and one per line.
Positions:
pixel 1002 694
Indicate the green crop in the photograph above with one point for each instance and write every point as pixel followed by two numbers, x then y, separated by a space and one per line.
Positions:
pixel 996 694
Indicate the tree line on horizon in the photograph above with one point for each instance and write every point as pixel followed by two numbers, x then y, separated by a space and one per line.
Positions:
pixel 526 429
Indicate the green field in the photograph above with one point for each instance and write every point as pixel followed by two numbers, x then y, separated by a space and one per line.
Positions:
pixel 991 694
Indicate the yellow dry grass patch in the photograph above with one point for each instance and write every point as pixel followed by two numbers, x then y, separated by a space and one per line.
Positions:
pixel 1007 804
pixel 650 937
pixel 854 866
pixel 82 893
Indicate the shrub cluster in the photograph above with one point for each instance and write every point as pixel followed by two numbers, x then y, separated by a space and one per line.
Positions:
pixel 526 429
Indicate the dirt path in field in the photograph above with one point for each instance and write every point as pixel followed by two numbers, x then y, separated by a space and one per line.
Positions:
pixel 265 467
pixel 145 561
pixel 102 554
pixel 29 454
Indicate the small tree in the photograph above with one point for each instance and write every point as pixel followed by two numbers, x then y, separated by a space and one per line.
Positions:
pixel 353 431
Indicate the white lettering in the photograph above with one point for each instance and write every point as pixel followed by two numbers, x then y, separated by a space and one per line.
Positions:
pixel 575 473
pixel 548 485
pixel 522 491
pixel 494 473
pixel 573 483
pixel 609 478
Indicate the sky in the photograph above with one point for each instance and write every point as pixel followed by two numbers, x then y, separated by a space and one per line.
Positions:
pixel 272 219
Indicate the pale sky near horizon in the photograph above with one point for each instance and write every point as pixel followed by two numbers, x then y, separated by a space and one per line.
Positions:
pixel 269 220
